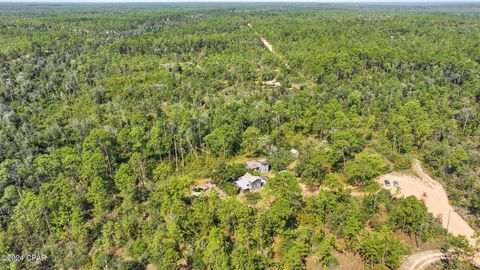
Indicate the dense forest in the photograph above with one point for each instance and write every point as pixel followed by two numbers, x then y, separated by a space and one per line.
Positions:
pixel 111 114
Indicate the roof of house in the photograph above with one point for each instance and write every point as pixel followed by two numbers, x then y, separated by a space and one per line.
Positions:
pixel 263 161
pixel 245 181
pixel 254 164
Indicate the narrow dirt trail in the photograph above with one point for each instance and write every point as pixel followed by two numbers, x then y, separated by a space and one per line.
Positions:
pixel 303 79
pixel 269 46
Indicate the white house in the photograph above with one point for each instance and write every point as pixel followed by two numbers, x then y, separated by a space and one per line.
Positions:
pixel 250 182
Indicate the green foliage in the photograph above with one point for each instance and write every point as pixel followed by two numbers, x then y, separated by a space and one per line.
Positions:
pixel 215 254
pixel 226 174
pixel 325 251
pixel 253 142
pixel 347 143
pixel 333 181
pixel 125 180
pixel 98 194
pixel 253 197
pixel 460 254
pixel 222 141
pixel 294 258
pixel 245 258
pixel 280 160
pixel 380 248
pixel 277 220
pixel 284 185
pixel 314 165
pixel 110 114
pixel 163 252
pixel 161 172
pixel 364 168
pixel 409 215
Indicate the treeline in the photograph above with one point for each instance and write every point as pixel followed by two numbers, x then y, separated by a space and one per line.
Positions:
pixel 110 115
pixel 417 85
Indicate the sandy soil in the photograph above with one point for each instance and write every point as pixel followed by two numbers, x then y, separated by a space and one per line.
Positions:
pixel 432 193
pixel 264 41
pixel 267 44
pixel 422 260
pixel 306 192
pixel 348 261
pixel 422 186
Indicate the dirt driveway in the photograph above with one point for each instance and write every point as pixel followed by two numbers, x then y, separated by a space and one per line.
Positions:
pixel 421 260
pixel 422 186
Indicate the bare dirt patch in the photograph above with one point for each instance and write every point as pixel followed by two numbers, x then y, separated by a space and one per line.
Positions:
pixel 267 44
pixel 150 267
pixel 433 194
pixel 307 192
pixel 410 241
pixel 349 261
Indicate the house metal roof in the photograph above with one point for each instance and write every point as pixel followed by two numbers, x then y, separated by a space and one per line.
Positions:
pixel 254 164
pixel 245 182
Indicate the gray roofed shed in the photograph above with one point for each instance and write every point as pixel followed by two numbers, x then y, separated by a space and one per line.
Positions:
pixel 250 182
pixel 260 165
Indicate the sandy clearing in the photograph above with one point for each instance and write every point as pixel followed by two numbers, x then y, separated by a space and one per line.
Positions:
pixel 433 194
pixel 422 260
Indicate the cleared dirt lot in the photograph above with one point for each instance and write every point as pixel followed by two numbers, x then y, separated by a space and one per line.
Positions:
pixel 422 186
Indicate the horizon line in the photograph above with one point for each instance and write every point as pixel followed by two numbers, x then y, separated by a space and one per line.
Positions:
pixel 244 1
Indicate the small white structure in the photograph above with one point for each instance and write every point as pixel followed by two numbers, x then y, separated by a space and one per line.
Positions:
pixel 250 182
pixel 260 165
pixel 294 152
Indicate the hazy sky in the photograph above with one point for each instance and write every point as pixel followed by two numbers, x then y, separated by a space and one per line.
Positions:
pixel 319 1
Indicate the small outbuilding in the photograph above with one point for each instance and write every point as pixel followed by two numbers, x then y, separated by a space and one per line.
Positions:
pixel 260 165
pixel 249 182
